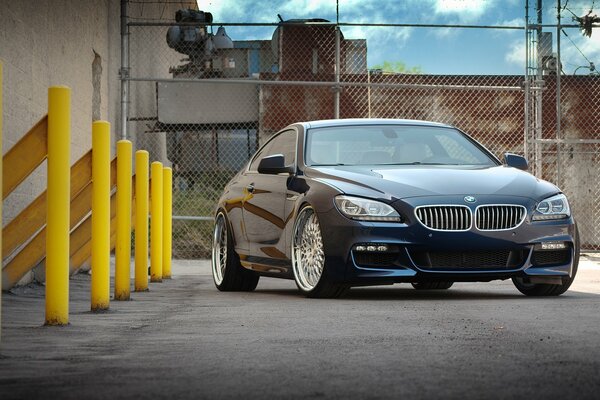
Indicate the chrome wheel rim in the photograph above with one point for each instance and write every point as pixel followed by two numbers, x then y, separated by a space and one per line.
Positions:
pixel 219 249
pixel 308 257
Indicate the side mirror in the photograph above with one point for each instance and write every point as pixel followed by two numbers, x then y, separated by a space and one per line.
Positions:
pixel 516 161
pixel 274 164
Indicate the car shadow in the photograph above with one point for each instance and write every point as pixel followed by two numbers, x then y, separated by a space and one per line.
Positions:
pixel 404 293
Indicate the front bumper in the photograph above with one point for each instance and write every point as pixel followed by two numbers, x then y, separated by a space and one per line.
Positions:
pixel 416 253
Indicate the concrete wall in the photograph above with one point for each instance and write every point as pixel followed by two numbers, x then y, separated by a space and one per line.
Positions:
pixel 55 42
pixel 45 43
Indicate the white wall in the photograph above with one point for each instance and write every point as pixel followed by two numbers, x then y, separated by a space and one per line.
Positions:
pixel 45 43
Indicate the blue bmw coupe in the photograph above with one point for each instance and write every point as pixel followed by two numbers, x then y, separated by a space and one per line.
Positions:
pixel 352 202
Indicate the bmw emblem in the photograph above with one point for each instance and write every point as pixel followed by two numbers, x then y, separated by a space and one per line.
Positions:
pixel 470 199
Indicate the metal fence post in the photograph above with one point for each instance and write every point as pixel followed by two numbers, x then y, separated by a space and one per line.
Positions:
pixel 558 107
pixel 100 287
pixel 336 109
pixel 124 71
pixel 57 216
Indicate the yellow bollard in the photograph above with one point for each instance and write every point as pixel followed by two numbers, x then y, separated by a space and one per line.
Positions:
pixel 58 203
pixel 141 220
pixel 100 296
pixel 123 246
pixel 156 205
pixel 167 221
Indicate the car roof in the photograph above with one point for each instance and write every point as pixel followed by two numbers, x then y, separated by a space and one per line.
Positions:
pixel 369 121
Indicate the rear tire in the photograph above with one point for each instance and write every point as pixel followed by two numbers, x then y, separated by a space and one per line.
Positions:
pixel 545 289
pixel 228 273
pixel 308 258
pixel 432 285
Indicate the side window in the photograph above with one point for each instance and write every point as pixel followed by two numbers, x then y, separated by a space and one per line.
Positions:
pixel 284 143
pixel 259 156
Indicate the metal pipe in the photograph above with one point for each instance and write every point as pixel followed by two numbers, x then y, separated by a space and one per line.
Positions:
pixel 538 128
pixel 526 82
pixel 1 172
pixel 152 23
pixel 459 26
pixel 558 108
pixel 569 141
pixel 329 83
pixel 124 71
pixel 369 92
pixel 336 101
pixel 192 218
pixel 539 35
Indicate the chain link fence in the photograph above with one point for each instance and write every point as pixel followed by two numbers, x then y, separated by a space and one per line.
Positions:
pixel 563 131
pixel 204 103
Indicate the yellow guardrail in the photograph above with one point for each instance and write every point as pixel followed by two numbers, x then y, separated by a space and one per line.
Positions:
pixel 25 156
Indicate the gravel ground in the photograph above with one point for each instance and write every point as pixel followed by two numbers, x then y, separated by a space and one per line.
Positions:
pixel 184 339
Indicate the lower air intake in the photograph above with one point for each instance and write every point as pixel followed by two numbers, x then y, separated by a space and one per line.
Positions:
pixel 472 260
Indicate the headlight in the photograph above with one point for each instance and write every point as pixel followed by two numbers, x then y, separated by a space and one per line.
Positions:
pixel 555 207
pixel 366 209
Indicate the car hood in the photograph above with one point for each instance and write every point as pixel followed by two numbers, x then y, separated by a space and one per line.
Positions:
pixel 398 182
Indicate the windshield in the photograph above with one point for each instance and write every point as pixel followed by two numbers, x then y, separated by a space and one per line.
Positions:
pixel 392 145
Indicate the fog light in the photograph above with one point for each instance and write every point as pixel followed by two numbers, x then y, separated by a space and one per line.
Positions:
pixel 554 245
pixel 374 247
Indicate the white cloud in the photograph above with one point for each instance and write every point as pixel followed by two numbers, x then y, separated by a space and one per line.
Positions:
pixel 463 9
pixel 459 6
pixel 444 33
pixel 516 53
pixel 379 39
pixel 571 57
pixel 513 22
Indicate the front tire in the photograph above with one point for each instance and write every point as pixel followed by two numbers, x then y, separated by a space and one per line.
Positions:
pixel 228 273
pixel 308 258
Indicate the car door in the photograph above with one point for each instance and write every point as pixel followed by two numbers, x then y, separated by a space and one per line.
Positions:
pixel 263 210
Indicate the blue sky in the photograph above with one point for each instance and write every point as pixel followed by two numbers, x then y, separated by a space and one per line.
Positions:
pixel 435 50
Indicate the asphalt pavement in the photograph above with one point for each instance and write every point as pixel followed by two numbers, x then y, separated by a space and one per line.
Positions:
pixel 184 339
